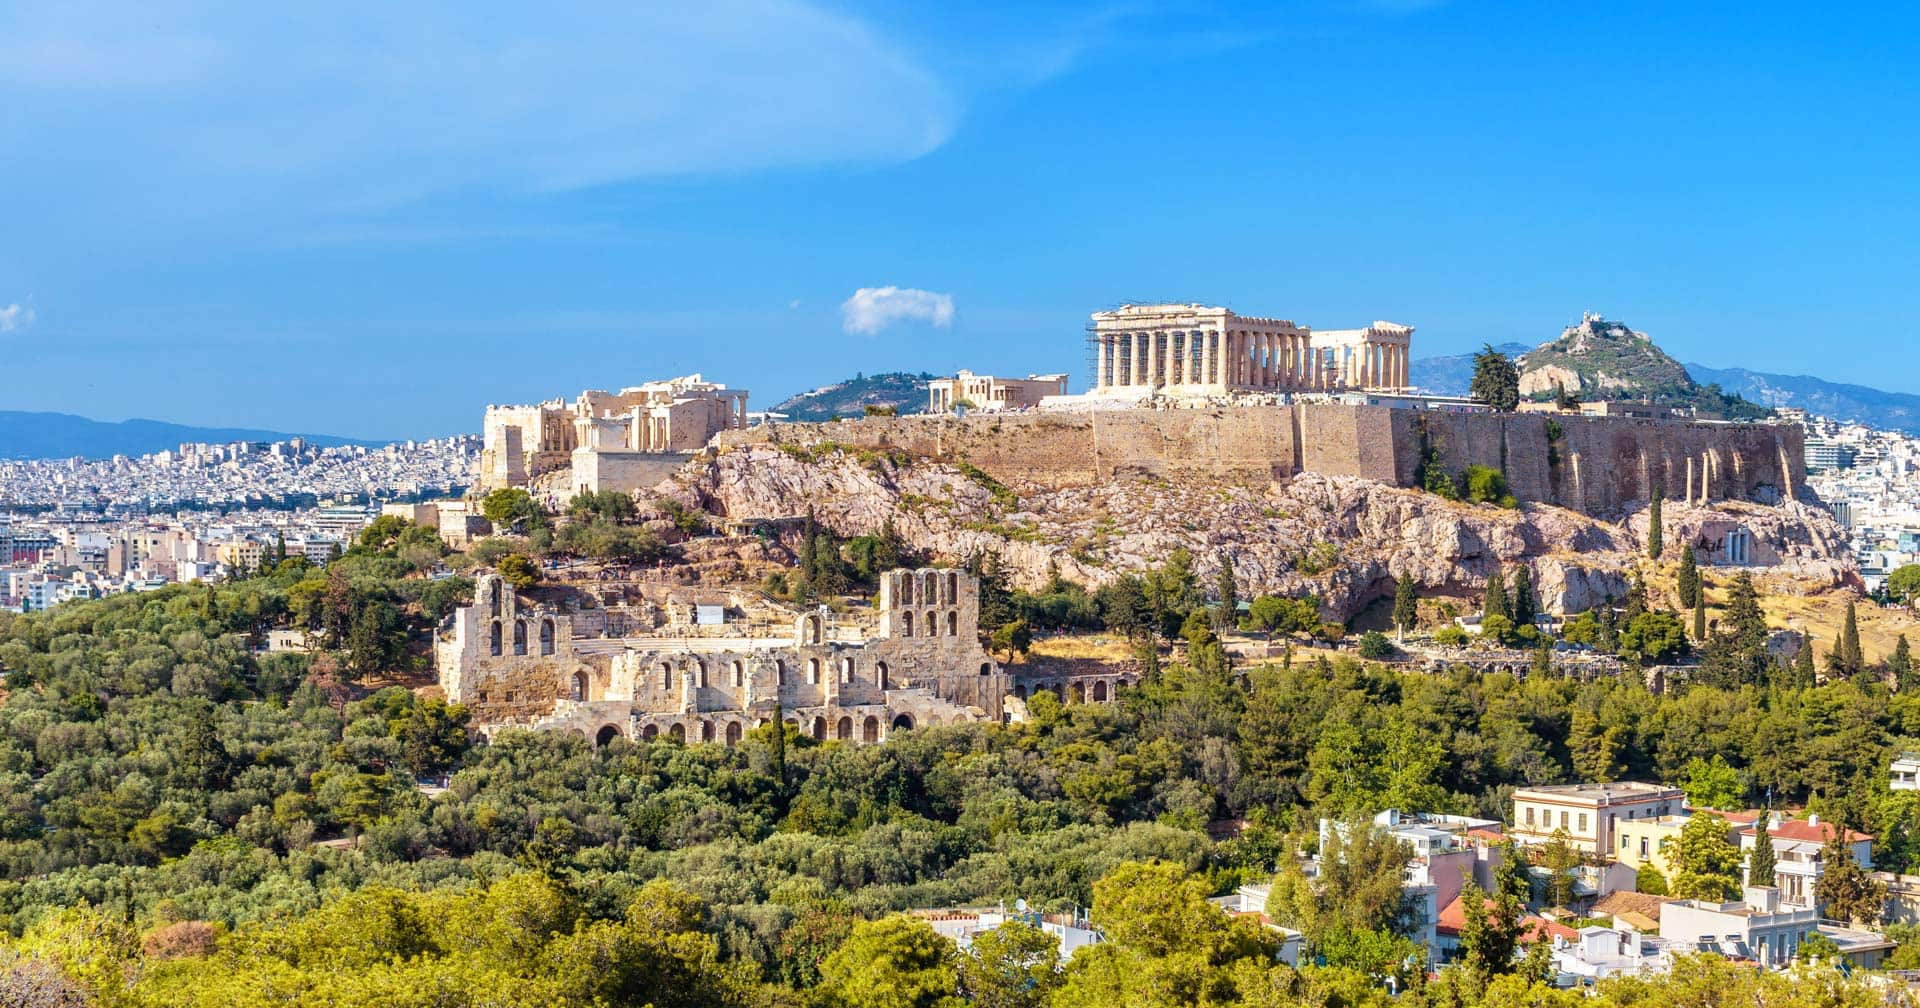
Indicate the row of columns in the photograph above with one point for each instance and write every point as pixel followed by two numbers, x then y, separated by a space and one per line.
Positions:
pixel 1247 359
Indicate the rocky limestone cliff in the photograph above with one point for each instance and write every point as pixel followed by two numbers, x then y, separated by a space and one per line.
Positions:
pixel 1344 538
pixel 1597 358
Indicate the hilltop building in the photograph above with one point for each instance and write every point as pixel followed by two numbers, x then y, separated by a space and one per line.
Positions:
pixel 610 440
pixel 1195 351
pixel 988 394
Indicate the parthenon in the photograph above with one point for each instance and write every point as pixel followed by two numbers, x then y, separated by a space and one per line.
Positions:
pixel 1192 350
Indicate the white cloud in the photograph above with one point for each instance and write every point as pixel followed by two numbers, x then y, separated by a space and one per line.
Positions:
pixel 372 102
pixel 872 309
pixel 15 316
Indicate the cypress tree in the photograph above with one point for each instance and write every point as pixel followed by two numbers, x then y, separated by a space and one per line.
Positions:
pixel 777 754
pixel 1699 617
pixel 1761 861
pixel 1900 664
pixel 1689 578
pixel 1803 662
pixel 1636 600
pixel 1851 661
pixel 1525 607
pixel 1406 606
pixel 1655 544
pixel 1496 603
pixel 1228 614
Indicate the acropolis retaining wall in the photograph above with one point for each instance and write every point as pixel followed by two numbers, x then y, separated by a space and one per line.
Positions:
pixel 1594 464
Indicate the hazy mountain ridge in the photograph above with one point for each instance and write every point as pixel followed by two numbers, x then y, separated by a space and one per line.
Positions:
pixel 904 391
pixel 28 435
pixel 1452 373
pixel 1859 403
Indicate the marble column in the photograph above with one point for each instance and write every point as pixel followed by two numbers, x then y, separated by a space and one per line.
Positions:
pixel 1101 376
pixel 1211 373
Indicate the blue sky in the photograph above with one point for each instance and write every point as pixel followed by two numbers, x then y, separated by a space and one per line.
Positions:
pixel 375 218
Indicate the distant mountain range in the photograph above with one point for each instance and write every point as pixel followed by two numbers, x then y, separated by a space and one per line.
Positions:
pixel 63 435
pixel 906 393
pixel 1452 374
pixel 1887 410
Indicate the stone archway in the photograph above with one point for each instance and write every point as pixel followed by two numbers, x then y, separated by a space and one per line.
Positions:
pixel 1100 691
pixel 820 729
pixel 706 731
pixel 880 675
pixel 678 733
pixel 580 683
pixel 605 735
pixel 1079 692
pixel 844 730
pixel 650 732
pixel 902 722
pixel 870 729
pixel 733 733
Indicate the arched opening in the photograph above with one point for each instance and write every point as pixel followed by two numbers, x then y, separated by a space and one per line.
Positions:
pixel 813 630
pixel 986 668
pixel 606 735
pixel 870 729
pixel 779 672
pixel 546 637
pixel 1100 691
pixel 929 588
pixel 650 732
pixel 706 731
pixel 1020 691
pixel 493 640
pixel 666 676
pixel 733 733
pixel 846 671
pixel 880 675
pixel 820 729
pixel 739 673
pixel 579 686
pixel 953 589
pixel 932 623
pixel 843 730
pixel 903 722
pixel 700 674
pixel 953 624
pixel 906 590
pixel 496 598
pixel 813 671
pixel 1079 692
pixel 519 638
pixel 906 623
pixel 678 733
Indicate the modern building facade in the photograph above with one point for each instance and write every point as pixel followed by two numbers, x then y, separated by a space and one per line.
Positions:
pixel 1588 814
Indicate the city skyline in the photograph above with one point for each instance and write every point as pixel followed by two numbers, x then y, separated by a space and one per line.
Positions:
pixel 220 220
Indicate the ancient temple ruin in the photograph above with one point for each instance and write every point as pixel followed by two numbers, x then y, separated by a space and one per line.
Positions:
pixel 1196 351
pixel 609 440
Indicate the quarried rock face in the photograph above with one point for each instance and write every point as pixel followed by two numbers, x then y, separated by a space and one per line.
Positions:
pixel 1343 538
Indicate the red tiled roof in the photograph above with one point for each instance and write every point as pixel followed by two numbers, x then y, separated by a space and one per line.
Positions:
pixel 1805 832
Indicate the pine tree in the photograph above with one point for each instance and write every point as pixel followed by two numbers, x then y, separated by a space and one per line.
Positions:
pixel 1689 579
pixel 1525 607
pixel 1636 605
pixel 1655 542
pixel 1543 658
pixel 1496 603
pixel 1761 861
pixel 1496 381
pixel 1406 607
pixel 1900 665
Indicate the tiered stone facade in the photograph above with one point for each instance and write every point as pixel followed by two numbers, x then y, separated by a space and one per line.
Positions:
pixel 612 440
pixel 918 662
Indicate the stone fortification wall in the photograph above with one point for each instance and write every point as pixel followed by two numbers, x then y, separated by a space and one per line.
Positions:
pixel 1590 464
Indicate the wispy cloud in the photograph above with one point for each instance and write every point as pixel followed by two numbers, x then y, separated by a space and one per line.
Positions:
pixel 872 309
pixel 15 316
pixel 368 102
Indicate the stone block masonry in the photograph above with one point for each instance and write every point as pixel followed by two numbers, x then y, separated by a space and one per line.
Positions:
pixel 1589 464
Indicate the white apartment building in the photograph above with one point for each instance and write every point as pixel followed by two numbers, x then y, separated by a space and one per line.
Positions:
pixel 1587 813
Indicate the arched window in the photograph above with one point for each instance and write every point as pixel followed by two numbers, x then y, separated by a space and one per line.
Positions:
pixel 700 674
pixel 906 623
pixel 496 598
pixel 820 728
pixel 493 643
pixel 666 676
pixel 844 730
pixel 1100 691
pixel 880 674
pixel 953 624
pixel 519 637
pixel 953 589
pixel 779 672
pixel 846 670
pixel 678 732
pixel 606 736
pixel 903 722
pixel 579 686
pixel 870 730
pixel 546 636
pixel 906 589
pixel 932 624
pixel 733 733
pixel 986 668
pixel 813 671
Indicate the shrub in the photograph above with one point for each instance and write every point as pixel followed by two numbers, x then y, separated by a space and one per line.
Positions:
pixel 1375 646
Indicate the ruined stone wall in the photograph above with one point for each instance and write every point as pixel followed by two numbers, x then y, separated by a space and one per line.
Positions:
pixel 1590 464
pixel 593 471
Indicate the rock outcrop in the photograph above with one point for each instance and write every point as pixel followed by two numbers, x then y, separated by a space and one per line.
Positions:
pixel 1344 538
